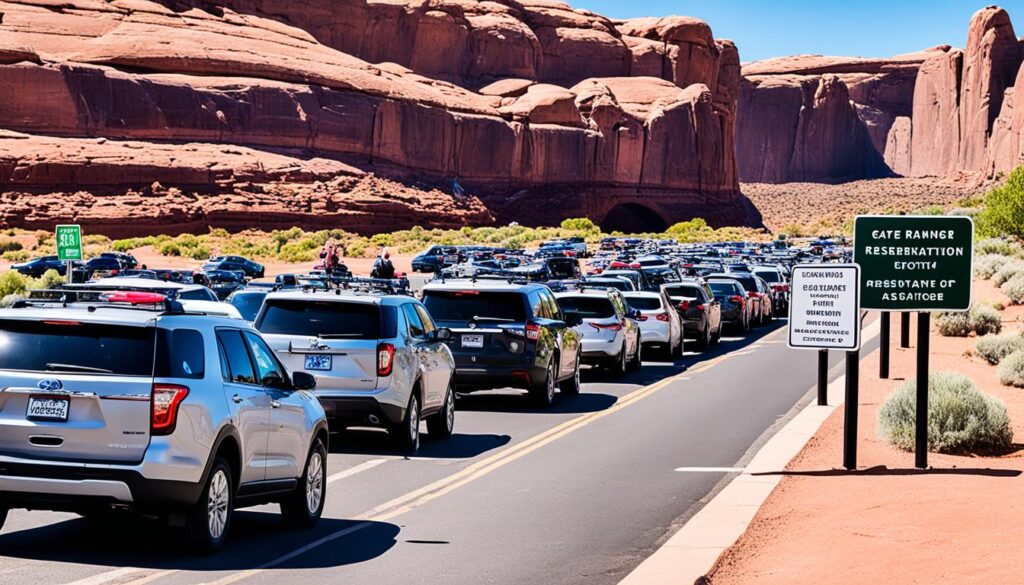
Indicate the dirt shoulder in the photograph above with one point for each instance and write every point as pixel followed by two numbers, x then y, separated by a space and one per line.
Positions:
pixel 960 522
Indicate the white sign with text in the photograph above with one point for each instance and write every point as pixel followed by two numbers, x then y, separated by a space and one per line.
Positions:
pixel 824 308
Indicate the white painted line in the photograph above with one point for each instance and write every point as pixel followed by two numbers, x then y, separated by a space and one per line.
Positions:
pixel 711 469
pixel 365 466
pixel 106 576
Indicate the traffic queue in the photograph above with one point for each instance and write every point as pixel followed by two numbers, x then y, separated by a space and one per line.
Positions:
pixel 186 395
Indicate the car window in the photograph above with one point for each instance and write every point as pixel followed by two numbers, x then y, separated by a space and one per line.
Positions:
pixel 645 303
pixel 414 320
pixel 69 346
pixel 248 304
pixel 266 364
pixel 180 354
pixel 537 305
pixel 428 323
pixel 551 305
pixel 709 293
pixel 199 294
pixel 321 318
pixel 588 307
pixel 688 291
pixel 239 365
pixel 463 305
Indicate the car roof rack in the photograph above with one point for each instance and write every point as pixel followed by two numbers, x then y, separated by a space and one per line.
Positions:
pixel 128 298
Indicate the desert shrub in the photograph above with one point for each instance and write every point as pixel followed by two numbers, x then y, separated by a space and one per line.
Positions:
pixel 964 211
pixel 1007 271
pixel 198 252
pixel 994 348
pixel 984 319
pixel 961 418
pixel 1004 208
pixel 1011 369
pixel 15 255
pixel 953 324
pixel 1001 246
pixel 12 283
pixel 580 224
pixel 169 249
pixel 986 265
pixel 931 210
pixel 10 246
pixel 50 279
pixel 1014 288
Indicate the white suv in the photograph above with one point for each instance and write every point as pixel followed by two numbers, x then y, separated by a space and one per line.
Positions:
pixel 121 400
pixel 610 331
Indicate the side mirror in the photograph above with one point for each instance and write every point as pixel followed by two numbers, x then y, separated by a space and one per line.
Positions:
pixel 303 381
pixel 442 334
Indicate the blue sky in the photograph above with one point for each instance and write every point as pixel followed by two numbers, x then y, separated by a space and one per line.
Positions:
pixel 867 28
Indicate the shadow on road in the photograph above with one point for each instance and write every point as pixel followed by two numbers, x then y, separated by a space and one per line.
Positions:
pixel 499 401
pixel 882 470
pixel 256 538
pixel 376 442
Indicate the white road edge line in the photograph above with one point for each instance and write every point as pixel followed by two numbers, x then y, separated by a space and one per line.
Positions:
pixel 692 551
pixel 364 466
pixel 711 469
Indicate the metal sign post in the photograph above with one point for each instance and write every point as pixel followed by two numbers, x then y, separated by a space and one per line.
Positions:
pixel 905 330
pixel 915 263
pixel 883 348
pixel 69 246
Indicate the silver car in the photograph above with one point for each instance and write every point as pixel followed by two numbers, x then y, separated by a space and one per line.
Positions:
pixel 660 324
pixel 379 360
pixel 610 330
pixel 126 401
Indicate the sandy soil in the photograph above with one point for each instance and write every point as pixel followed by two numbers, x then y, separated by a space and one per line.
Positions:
pixel 960 522
pixel 811 205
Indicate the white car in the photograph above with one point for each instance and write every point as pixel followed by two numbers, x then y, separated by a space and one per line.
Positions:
pixel 610 331
pixel 660 325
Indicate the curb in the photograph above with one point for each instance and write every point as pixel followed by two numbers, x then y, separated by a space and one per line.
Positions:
pixel 692 551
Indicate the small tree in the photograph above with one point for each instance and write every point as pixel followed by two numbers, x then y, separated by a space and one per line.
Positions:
pixel 1004 208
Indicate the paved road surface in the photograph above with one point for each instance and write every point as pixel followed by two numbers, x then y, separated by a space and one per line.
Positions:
pixel 580 493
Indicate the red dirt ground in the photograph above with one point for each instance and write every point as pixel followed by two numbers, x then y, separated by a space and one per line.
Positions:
pixel 960 522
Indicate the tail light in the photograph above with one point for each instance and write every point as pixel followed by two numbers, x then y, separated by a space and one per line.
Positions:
pixel 385 358
pixel 532 331
pixel 635 265
pixel 684 306
pixel 166 400
pixel 662 317
pixel 608 326
pixel 754 295
pixel 699 307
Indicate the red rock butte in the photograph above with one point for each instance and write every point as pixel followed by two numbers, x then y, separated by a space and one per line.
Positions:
pixel 135 116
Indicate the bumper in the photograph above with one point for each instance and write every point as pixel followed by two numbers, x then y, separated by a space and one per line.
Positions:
pixel 602 349
pixel 655 334
pixel 732 315
pixel 349 411
pixel 693 328
pixel 481 377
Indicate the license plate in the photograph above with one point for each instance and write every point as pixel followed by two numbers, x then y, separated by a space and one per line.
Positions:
pixel 47 408
pixel 472 341
pixel 318 362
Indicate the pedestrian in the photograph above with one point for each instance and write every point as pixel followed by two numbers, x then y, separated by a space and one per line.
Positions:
pixel 382 267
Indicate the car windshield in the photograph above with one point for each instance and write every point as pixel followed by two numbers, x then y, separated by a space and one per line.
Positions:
pixel 659 276
pixel 326 319
pixel 686 291
pixel 644 303
pixel 248 304
pixel 464 306
pixel 588 307
pixel 71 346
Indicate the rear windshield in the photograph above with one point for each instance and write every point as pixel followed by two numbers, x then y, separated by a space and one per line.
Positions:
pixel 660 276
pixel 644 303
pixel 463 306
pixel 588 307
pixel 323 318
pixel 692 292
pixel 616 283
pixel 70 346
pixel 722 289
pixel 746 281
pixel 769 275
pixel 248 304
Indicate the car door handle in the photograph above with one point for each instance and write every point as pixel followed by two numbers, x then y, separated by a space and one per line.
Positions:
pixel 236 399
pixel 275 404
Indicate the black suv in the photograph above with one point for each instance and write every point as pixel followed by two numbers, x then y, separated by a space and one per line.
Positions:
pixel 507 335
pixel 236 264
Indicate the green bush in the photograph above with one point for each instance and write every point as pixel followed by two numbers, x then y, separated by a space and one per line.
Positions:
pixel 984 319
pixel 1011 369
pixel 10 246
pixel 13 283
pixel 953 324
pixel 1004 208
pixel 1014 288
pixel 1007 271
pixel 996 347
pixel 15 255
pixel 961 418
pixel 580 224
pixel 1001 246
pixel 986 265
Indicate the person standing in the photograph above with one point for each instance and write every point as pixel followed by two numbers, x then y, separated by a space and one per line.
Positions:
pixel 382 267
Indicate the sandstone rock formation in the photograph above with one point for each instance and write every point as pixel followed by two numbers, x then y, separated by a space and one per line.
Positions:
pixel 525 103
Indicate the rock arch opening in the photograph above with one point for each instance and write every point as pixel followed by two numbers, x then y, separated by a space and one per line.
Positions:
pixel 631 218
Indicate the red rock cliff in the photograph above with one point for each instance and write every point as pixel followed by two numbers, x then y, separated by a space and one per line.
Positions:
pixel 526 104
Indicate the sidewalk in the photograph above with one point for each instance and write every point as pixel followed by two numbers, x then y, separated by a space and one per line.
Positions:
pixel 962 521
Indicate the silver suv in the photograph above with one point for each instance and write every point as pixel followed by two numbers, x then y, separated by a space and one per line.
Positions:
pixel 379 359
pixel 121 400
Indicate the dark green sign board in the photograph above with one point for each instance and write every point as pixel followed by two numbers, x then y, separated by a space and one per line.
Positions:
pixel 914 263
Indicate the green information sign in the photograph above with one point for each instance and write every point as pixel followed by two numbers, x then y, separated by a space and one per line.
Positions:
pixel 69 242
pixel 914 263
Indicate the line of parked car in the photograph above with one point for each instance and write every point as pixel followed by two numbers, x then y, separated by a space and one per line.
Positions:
pixel 141 390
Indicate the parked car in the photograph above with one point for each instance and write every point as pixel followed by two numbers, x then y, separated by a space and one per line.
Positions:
pixel 225 282
pixel 435 258
pixel 736 311
pixel 758 293
pixel 610 328
pixel 163 412
pixel 36 267
pixel 103 266
pixel 700 310
pixel 127 261
pixel 507 335
pixel 251 268
pixel 778 285
pixel 194 292
pixel 248 301
pixel 661 327
pixel 379 360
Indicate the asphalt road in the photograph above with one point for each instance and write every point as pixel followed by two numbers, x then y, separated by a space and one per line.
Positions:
pixel 580 493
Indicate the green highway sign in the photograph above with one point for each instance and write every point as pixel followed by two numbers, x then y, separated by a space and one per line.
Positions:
pixel 914 263
pixel 69 242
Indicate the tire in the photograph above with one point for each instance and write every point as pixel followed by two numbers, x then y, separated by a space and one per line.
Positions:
pixel 544 393
pixel 619 365
pixel 209 521
pixel 705 338
pixel 680 347
pixel 303 508
pixel 717 337
pixel 442 424
pixel 637 361
pixel 3 517
pixel 406 434
pixel 571 387
pixel 745 326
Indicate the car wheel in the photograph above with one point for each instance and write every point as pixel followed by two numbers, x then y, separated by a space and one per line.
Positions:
pixel 746 322
pixel 717 337
pixel 571 387
pixel 620 362
pixel 3 517
pixel 705 338
pixel 210 519
pixel 636 362
pixel 544 393
pixel 303 508
pixel 407 433
pixel 442 424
